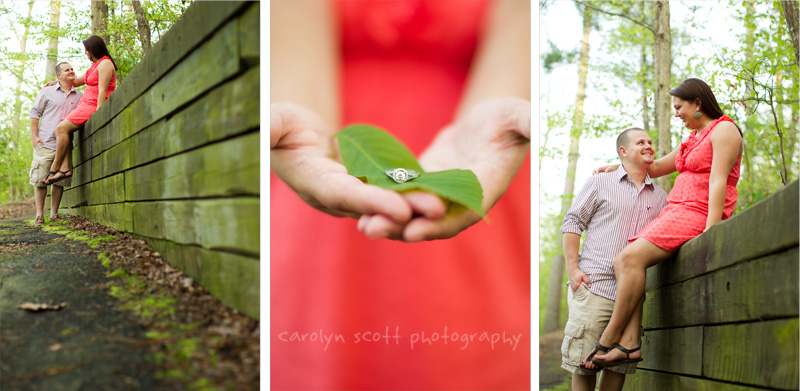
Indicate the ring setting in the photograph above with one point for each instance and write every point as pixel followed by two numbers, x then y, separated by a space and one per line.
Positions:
pixel 401 175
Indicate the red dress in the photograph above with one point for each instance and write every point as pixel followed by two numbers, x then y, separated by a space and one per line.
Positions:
pixel 404 65
pixel 88 104
pixel 686 212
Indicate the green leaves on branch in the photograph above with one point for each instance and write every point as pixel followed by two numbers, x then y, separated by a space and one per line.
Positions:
pixel 368 152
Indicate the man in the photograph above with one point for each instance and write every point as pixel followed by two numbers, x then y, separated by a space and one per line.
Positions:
pixel 610 208
pixel 52 104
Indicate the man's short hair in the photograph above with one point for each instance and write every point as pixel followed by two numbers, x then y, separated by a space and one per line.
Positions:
pixel 58 67
pixel 624 138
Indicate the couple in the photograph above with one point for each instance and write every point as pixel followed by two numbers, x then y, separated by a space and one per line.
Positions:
pixel 58 111
pixel 627 231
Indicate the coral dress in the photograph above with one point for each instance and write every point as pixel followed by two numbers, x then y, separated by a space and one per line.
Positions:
pixel 404 66
pixel 686 212
pixel 88 104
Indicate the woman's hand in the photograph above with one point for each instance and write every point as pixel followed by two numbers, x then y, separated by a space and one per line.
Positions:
pixel 608 168
pixel 304 155
pixel 50 83
pixel 491 139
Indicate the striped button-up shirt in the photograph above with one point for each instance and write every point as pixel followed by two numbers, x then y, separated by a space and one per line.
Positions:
pixel 610 209
pixel 50 107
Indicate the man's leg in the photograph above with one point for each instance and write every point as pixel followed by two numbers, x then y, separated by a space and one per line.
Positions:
pixel 611 381
pixel 585 382
pixel 39 195
pixel 55 200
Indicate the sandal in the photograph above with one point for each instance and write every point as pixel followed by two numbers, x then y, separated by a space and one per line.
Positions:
pixel 628 360
pixel 61 178
pixel 44 181
pixel 590 357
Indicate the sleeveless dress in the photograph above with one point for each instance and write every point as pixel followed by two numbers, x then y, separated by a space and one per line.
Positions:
pixel 88 104
pixel 403 68
pixel 686 212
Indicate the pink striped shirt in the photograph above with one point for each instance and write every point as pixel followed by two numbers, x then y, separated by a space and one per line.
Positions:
pixel 610 209
pixel 50 107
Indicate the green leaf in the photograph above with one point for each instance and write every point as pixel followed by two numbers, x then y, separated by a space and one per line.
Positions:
pixel 368 152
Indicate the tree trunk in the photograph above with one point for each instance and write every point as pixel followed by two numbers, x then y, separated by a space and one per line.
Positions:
pixel 52 43
pixel 643 71
pixel 15 129
pixel 142 25
pixel 750 122
pixel 792 15
pixel 662 58
pixel 553 306
pixel 99 11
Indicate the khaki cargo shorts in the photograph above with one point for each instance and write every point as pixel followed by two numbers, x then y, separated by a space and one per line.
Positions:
pixel 588 316
pixel 40 167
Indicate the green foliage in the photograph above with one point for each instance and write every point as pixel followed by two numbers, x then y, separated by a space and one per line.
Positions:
pixel 368 152
pixel 554 57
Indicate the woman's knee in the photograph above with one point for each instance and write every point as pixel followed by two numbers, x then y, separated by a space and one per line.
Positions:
pixel 624 261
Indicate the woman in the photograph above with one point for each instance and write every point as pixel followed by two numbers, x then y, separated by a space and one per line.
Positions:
pixel 422 70
pixel 100 80
pixel 704 193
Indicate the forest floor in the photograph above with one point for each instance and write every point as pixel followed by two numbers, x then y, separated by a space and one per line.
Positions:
pixel 84 307
pixel 551 375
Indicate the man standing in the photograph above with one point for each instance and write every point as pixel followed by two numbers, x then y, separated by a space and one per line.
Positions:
pixel 52 104
pixel 610 208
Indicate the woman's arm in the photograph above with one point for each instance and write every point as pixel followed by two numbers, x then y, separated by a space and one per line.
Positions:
pixel 726 143
pixel 105 70
pixel 663 166
pixel 79 81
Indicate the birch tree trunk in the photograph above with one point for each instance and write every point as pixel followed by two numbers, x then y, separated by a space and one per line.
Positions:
pixel 142 25
pixel 15 128
pixel 749 43
pixel 553 306
pixel 792 15
pixel 643 70
pixel 52 42
pixel 662 59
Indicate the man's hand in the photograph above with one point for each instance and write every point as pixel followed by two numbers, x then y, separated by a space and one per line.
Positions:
pixel 576 277
pixel 304 155
pixel 37 140
pixel 491 139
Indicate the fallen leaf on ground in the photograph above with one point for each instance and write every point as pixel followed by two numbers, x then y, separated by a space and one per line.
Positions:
pixel 41 306
pixel 55 347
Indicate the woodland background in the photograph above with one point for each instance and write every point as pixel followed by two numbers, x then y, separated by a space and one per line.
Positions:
pixel 616 72
pixel 36 35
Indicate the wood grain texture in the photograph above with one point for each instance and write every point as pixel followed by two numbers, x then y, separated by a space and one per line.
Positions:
pixel 673 350
pixel 759 353
pixel 655 381
pixel 760 289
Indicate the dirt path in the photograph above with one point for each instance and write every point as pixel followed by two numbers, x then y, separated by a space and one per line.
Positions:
pixel 550 372
pixel 89 344
pixel 129 321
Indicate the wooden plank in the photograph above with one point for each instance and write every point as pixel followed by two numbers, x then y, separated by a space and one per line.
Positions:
pixel 250 35
pixel 230 167
pixel 117 216
pixel 106 191
pixel 189 79
pixel 735 240
pixel 195 26
pixel 760 353
pixel 230 109
pixel 673 350
pixel 760 289
pixel 655 381
pixel 234 279
pixel 230 224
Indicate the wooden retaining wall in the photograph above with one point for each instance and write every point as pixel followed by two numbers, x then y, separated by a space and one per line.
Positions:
pixel 173 155
pixel 722 314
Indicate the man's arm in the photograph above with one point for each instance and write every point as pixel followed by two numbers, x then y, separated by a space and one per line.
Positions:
pixel 575 222
pixel 36 112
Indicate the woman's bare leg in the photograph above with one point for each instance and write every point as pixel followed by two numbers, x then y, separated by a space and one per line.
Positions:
pixel 630 267
pixel 629 339
pixel 63 130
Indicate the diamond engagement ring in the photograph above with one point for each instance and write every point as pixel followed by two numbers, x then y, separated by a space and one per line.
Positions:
pixel 401 175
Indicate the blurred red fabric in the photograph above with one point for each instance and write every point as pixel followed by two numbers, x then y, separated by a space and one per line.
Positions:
pixel 405 64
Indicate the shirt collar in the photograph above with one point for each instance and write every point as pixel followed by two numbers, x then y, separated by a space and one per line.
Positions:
pixel 621 174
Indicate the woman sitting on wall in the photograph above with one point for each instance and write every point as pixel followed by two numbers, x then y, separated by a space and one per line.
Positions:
pixel 100 80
